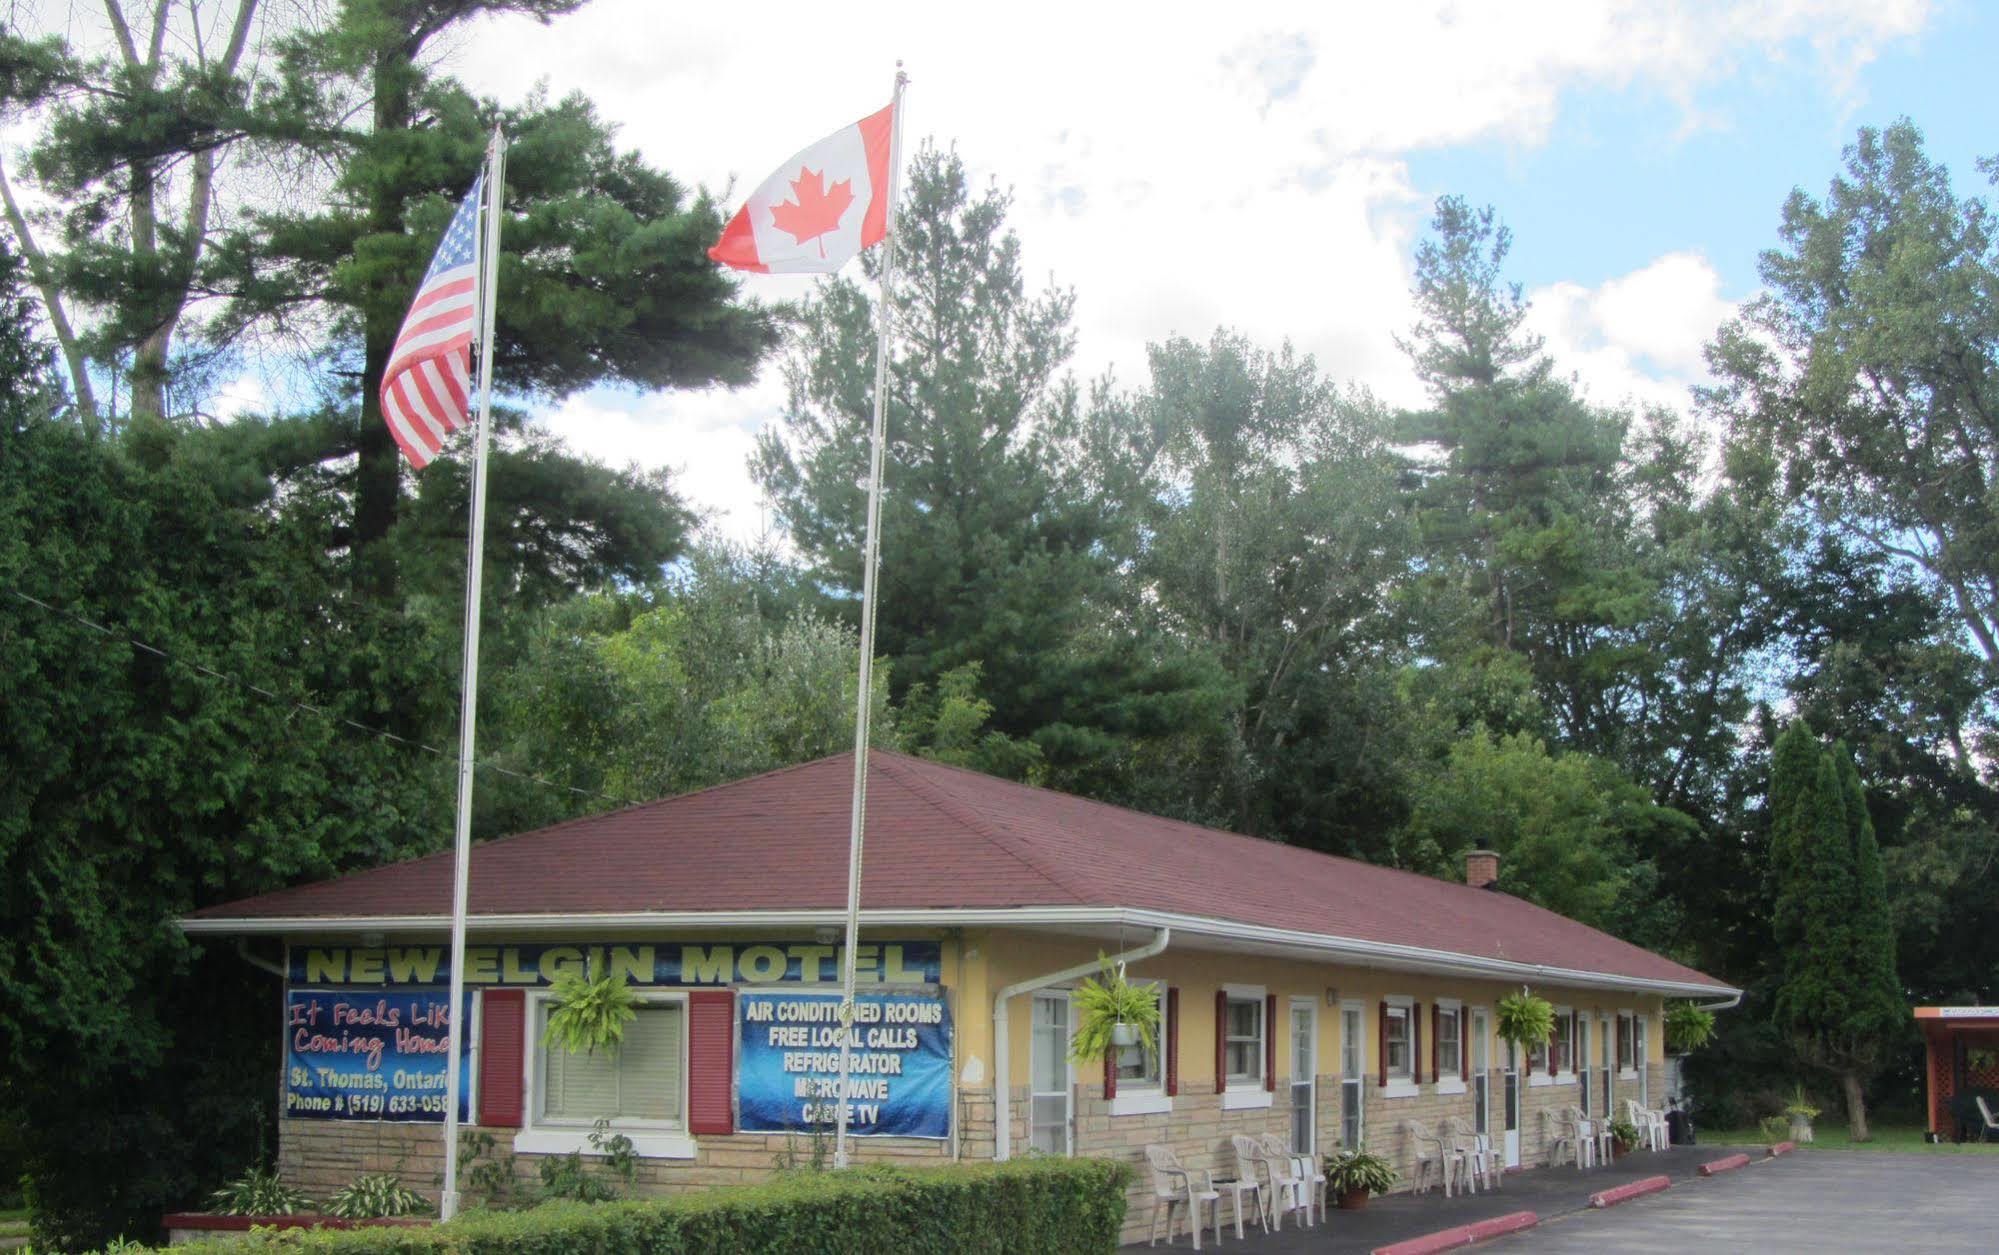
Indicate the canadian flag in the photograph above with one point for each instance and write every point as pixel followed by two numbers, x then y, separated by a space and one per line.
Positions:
pixel 820 208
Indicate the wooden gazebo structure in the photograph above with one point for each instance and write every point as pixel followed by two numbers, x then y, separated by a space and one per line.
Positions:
pixel 1961 1058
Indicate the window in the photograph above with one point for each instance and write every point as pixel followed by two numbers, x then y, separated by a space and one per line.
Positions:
pixel 1537 1057
pixel 641 1084
pixel 1244 1043
pixel 1450 1060
pixel 1397 1037
pixel 1564 1041
pixel 1626 1035
pixel 1137 1067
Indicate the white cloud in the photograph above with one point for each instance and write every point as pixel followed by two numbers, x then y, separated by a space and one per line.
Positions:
pixel 1180 173
pixel 1638 337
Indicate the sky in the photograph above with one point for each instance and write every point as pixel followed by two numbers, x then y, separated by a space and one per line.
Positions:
pixel 1270 167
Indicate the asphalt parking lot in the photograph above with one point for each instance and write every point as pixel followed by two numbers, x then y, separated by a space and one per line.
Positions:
pixel 1823 1202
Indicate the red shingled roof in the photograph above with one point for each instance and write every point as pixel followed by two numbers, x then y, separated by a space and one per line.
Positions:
pixel 943 837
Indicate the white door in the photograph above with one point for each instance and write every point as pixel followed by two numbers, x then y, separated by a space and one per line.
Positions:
pixel 1481 1073
pixel 1051 1091
pixel 1606 1037
pixel 1583 1073
pixel 1304 1076
pixel 1512 1083
pixel 1353 1071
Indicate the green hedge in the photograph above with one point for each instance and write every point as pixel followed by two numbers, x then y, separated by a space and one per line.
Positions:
pixel 1026 1205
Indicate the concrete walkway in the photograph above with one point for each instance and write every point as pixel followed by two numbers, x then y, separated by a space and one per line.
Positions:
pixel 1547 1191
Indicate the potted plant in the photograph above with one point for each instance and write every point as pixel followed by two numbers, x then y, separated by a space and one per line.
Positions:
pixel 1113 1013
pixel 1801 1113
pixel 1525 1019
pixel 589 1012
pixel 1688 1028
pixel 1355 1174
pixel 1623 1137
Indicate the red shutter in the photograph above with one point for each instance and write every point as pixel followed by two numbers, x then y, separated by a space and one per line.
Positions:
pixel 502 1056
pixel 1416 1042
pixel 1270 1042
pixel 1464 1044
pixel 711 1061
pixel 1381 1045
pixel 1110 1074
pixel 1170 1068
pixel 1221 1040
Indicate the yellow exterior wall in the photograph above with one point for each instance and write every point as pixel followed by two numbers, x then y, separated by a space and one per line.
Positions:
pixel 1011 957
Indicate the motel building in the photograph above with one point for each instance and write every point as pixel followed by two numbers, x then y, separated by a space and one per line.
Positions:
pixel 1319 998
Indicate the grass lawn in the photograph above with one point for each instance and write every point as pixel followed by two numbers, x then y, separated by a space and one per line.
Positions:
pixel 1832 1136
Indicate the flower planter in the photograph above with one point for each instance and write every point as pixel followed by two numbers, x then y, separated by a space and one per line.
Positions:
pixel 1801 1128
pixel 1353 1200
pixel 1123 1034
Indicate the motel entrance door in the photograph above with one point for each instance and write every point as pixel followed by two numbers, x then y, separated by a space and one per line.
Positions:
pixel 1512 1083
pixel 1481 1074
pixel 1050 1095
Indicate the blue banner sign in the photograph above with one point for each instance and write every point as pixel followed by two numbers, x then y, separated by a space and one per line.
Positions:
pixel 368 1056
pixel 641 963
pixel 788 1063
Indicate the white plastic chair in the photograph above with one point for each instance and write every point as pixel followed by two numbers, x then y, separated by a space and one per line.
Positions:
pixel 1279 1179
pixel 1991 1121
pixel 1557 1131
pixel 1173 1185
pixel 1651 1125
pixel 1595 1135
pixel 1432 1150
pixel 1311 1177
pixel 1248 1179
pixel 1480 1157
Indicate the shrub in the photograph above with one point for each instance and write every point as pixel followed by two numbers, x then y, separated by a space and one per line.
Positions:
pixel 258 1192
pixel 1026 1205
pixel 376 1195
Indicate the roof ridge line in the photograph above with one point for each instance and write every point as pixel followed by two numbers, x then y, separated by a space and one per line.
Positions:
pixel 1005 843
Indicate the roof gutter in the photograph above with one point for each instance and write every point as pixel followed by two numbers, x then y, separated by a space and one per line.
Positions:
pixel 1002 1039
pixel 1350 949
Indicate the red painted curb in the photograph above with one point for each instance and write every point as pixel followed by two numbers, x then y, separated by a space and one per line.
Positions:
pixel 1462 1235
pixel 1625 1193
pixel 1500 1226
pixel 1782 1148
pixel 1715 1167
pixel 1429 1243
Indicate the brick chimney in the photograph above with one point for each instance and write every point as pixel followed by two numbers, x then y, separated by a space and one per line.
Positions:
pixel 1481 868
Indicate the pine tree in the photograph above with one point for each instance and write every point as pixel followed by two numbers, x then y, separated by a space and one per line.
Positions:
pixel 1838 1001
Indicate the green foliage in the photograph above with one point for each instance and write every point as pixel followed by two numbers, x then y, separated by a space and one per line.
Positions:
pixel 259 1192
pixel 588 1013
pixel 1688 1027
pixel 1838 1001
pixel 1800 1104
pixel 1625 1134
pixel 1106 1000
pixel 1357 1169
pixel 567 1177
pixel 1041 1204
pixel 375 1195
pixel 1524 1019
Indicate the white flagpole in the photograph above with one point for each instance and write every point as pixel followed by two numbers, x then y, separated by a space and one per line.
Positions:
pixel 864 695
pixel 468 695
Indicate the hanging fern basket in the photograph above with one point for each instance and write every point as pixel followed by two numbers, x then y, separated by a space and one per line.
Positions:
pixel 1525 1019
pixel 589 1013
pixel 1113 1013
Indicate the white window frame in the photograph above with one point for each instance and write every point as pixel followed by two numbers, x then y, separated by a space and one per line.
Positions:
pixel 1454 1082
pixel 651 1139
pixel 1237 1096
pixel 1400 1084
pixel 1627 1027
pixel 1147 1096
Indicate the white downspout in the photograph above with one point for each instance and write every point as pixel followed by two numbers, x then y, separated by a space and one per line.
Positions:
pixel 1726 1004
pixel 1002 1076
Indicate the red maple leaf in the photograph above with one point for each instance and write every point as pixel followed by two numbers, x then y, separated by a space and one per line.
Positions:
pixel 819 208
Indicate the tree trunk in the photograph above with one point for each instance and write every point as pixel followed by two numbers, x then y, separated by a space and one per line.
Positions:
pixel 1856 1107
pixel 378 474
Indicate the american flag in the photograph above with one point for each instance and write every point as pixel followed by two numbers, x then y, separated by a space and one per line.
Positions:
pixel 427 389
